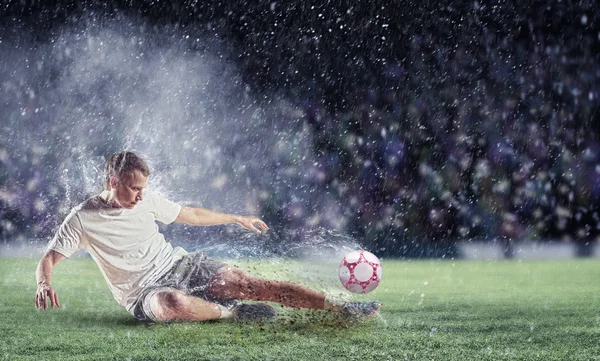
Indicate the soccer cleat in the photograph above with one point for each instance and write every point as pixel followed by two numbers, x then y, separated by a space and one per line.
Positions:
pixel 254 312
pixel 360 309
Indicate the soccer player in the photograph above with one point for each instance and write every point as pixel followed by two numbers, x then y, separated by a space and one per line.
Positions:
pixel 153 280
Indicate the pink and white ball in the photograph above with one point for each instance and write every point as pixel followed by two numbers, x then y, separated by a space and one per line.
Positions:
pixel 360 271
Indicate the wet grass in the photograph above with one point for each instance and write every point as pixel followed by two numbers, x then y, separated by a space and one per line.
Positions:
pixel 442 310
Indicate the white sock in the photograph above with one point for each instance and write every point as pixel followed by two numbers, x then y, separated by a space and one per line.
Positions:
pixel 227 312
pixel 332 304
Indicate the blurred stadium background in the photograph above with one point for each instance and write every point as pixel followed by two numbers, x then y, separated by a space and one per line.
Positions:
pixel 425 129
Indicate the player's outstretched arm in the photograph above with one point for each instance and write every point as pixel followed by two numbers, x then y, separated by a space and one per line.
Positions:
pixel 197 216
pixel 45 293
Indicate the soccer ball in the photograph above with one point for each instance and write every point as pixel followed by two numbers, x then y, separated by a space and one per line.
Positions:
pixel 360 271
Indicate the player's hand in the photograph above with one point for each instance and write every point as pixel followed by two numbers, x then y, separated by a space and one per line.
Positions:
pixel 46 294
pixel 252 224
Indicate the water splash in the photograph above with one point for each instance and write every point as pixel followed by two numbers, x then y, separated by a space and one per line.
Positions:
pixel 168 94
pixel 312 244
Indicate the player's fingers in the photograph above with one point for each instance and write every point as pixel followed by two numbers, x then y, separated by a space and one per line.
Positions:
pixel 262 225
pixel 251 227
pixel 44 301
pixel 55 299
pixel 38 301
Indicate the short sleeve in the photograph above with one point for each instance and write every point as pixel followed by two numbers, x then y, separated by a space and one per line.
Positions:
pixel 67 239
pixel 165 211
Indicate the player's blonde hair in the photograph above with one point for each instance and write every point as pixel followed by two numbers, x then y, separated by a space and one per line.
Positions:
pixel 123 163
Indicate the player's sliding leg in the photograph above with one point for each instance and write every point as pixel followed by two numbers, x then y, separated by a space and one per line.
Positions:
pixel 232 283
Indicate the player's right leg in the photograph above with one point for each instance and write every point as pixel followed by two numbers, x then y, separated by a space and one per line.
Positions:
pixel 169 304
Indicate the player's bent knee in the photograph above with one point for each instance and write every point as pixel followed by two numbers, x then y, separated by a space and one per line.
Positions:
pixel 228 283
pixel 165 304
pixel 228 275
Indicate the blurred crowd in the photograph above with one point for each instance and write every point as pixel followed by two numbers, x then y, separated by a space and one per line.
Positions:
pixel 470 123
pixel 464 124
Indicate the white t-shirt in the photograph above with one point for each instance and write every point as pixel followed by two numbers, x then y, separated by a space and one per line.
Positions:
pixel 125 243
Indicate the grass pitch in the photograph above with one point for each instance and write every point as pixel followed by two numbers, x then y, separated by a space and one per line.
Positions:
pixel 433 310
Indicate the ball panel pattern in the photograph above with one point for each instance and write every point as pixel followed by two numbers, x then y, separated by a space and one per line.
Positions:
pixel 360 271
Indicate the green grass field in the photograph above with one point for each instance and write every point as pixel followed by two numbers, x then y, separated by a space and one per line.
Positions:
pixel 433 310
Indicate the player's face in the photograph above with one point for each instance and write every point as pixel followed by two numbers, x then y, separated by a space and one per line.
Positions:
pixel 129 190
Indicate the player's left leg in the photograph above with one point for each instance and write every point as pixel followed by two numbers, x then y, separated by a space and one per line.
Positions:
pixel 233 283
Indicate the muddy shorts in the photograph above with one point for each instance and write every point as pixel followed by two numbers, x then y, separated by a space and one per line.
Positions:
pixel 192 274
